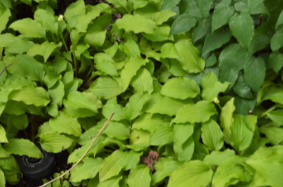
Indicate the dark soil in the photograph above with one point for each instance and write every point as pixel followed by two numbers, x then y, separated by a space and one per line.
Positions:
pixel 61 165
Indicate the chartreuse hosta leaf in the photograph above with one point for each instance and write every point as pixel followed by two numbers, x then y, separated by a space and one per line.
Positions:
pixel 130 70
pixel 73 12
pixel 226 119
pixel 85 19
pixel 195 113
pixel 180 88
pixel 86 169
pixel 57 93
pixel 164 168
pixel 189 57
pixel 3 138
pixel 273 133
pixel 212 135
pixel 212 87
pixel 195 173
pixel 217 157
pixel 168 106
pixel 105 87
pixel 117 130
pixel 231 172
pixel 221 15
pixel 22 147
pixel 29 28
pixel 242 27
pixel 66 124
pixel 274 94
pixel 162 135
pixel 276 116
pixel 5 13
pixel 149 122
pixel 139 176
pixel 31 68
pixel 143 81
pixel 31 96
pixel 44 49
pixel 113 164
pixel 54 142
pixel 84 100
pixel 135 105
pixel 136 23
pixel 242 131
pixel 267 163
pixel 112 106
pixel 2 179
pixel 47 20
pixel 183 141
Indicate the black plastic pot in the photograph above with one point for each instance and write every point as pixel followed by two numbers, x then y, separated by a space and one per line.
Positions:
pixel 33 169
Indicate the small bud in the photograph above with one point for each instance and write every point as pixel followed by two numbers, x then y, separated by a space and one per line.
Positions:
pixel 60 18
pixel 215 100
pixel 250 111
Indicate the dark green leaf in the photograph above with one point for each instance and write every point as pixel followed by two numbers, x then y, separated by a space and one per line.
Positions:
pixel 254 72
pixel 276 61
pixel 202 28
pixel 169 4
pixel 276 41
pixel 221 15
pixel 242 88
pixel 242 27
pixel 215 40
pixel 260 40
pixel 244 106
pixel 204 6
pixel 182 24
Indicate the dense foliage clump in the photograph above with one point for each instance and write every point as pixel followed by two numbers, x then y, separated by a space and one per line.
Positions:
pixel 195 87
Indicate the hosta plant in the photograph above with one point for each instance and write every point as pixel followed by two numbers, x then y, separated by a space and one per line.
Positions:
pixel 195 87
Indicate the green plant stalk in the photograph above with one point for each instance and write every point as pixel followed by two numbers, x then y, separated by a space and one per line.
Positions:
pixel 268 110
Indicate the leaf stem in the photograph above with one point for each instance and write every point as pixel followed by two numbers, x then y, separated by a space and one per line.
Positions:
pixel 268 110
pixel 5 69
pixel 83 154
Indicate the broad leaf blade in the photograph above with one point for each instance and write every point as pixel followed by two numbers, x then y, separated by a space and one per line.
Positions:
pixel 199 112
pixel 22 147
pixel 195 173
pixel 182 24
pixel 180 88
pixel 66 124
pixel 139 176
pixel 29 28
pixel 136 23
pixel 242 27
